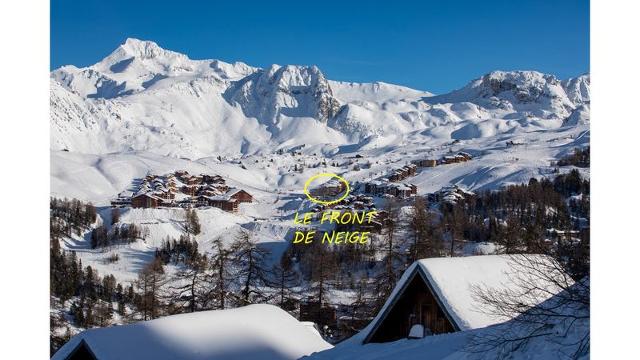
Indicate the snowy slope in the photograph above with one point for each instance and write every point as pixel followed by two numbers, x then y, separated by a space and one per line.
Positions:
pixel 251 332
pixel 539 95
pixel 377 92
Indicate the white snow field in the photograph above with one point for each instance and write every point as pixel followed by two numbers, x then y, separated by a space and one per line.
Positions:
pixel 250 332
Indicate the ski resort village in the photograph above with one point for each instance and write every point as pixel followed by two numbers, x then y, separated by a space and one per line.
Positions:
pixel 178 187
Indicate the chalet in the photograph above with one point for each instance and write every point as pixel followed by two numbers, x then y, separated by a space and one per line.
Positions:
pixel 165 194
pixel 449 159
pixel 405 190
pixel 351 324
pixel 395 176
pixel 209 334
pixel 159 186
pixel 411 169
pixel 433 197
pixel 212 179
pixel 146 200
pixel 560 236
pixel 332 188
pixel 121 202
pixel 403 173
pixel 321 314
pixel 212 189
pixel 465 155
pixel 193 180
pixel 202 190
pixel 222 187
pixel 225 204
pixel 189 202
pixel 436 296
pixel 239 195
pixel 208 192
pixel 374 187
pixel 123 199
pixel 426 162
pixel 452 194
pixel 399 190
pixel 374 227
pixel 189 190
pixel 221 202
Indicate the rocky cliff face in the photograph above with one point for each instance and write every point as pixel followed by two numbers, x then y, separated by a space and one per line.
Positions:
pixel 289 91
pixel 540 95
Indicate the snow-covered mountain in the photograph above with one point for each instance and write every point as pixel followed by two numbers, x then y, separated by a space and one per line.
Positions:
pixel 144 98
pixel 539 95
pixel 291 91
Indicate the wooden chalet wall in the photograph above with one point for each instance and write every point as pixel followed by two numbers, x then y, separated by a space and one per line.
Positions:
pixel 242 196
pixel 144 201
pixel 415 305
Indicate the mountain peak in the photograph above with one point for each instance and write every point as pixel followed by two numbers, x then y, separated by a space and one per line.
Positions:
pixel 289 91
pixel 144 49
pixel 518 90
pixel 497 82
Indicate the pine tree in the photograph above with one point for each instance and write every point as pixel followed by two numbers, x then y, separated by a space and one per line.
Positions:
pixel 103 313
pixel 420 225
pixel 362 306
pixel 220 276
pixel 249 263
pixel 192 223
pixel 151 282
pixel 115 215
pixel 195 292
pixel 392 256
pixel 323 268
pixel 108 287
pixel 454 221
pixel 285 278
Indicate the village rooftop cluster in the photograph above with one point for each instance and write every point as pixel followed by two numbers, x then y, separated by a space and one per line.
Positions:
pixel 392 185
pixel 181 189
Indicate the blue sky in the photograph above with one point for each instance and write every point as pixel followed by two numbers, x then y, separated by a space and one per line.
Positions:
pixel 429 45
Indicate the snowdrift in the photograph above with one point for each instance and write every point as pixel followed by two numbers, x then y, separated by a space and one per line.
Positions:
pixel 251 332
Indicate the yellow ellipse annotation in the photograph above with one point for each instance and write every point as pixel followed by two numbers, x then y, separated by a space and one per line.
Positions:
pixel 331 175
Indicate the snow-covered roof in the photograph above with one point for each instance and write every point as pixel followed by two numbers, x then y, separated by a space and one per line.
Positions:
pixel 453 281
pixel 125 194
pixel 459 345
pixel 232 192
pixel 147 194
pixel 250 332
